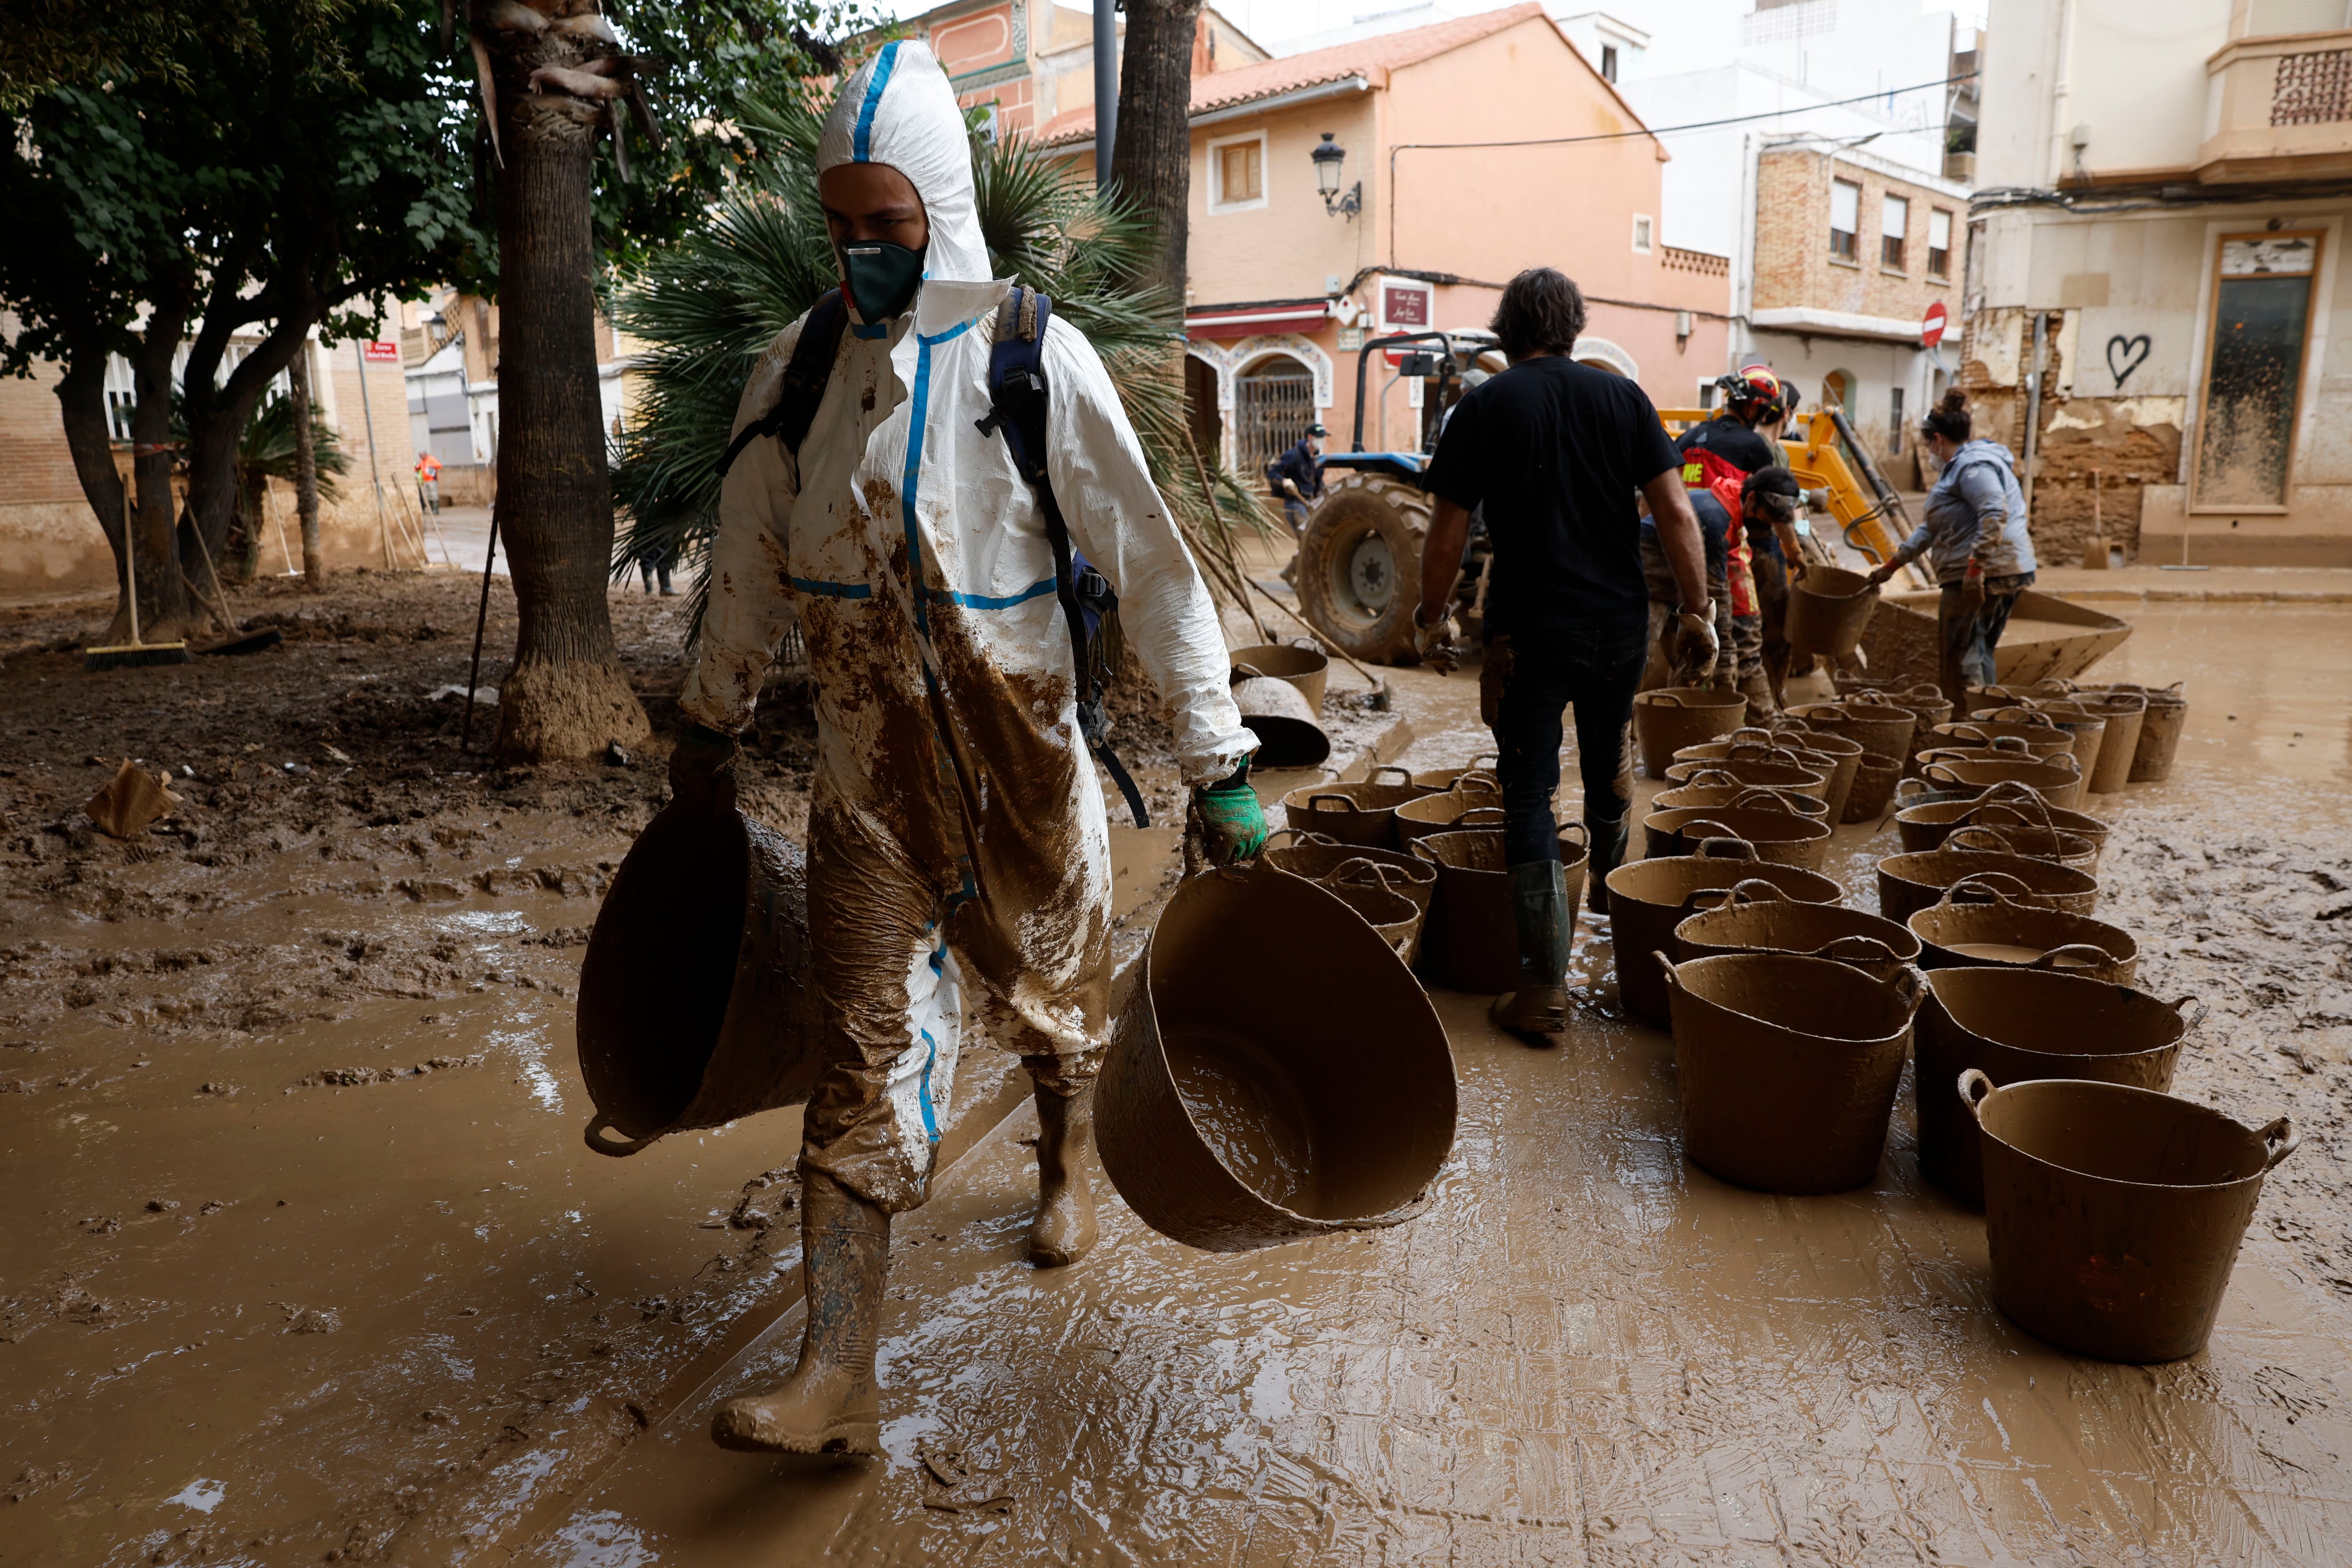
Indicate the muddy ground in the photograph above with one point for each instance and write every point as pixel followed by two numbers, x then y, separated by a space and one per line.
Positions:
pixel 305 1260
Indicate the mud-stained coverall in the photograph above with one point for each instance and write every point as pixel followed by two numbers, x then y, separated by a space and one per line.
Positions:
pixel 958 853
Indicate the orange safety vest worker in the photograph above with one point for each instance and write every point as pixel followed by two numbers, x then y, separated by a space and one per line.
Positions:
pixel 428 468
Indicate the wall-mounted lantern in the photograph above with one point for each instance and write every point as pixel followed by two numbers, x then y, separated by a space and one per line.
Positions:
pixel 1329 157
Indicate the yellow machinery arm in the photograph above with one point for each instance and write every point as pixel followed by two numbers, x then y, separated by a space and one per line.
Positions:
pixel 1813 445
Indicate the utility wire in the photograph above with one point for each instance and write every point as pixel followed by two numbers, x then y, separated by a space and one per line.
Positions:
pixel 1656 131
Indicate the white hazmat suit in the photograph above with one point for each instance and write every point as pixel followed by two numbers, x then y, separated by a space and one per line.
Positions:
pixel 960 858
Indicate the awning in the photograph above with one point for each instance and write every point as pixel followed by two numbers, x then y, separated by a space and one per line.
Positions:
pixel 1249 320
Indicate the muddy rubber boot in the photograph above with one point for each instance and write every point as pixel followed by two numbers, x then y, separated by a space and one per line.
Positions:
pixel 1610 842
pixel 1538 1011
pixel 1757 689
pixel 829 1404
pixel 1064 1230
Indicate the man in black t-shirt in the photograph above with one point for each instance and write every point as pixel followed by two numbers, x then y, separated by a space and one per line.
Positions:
pixel 1557 452
pixel 1296 476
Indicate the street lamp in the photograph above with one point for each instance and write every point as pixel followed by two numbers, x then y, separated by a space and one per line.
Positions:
pixel 1329 156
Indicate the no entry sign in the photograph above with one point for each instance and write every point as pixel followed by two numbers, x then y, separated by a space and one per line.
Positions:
pixel 1931 325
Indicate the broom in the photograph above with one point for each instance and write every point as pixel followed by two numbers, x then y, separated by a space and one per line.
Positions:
pixel 135 653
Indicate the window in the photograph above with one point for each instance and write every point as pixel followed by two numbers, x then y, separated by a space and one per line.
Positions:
pixel 2253 374
pixel 1894 232
pixel 1237 173
pixel 1644 234
pixel 1609 62
pixel 1845 219
pixel 1706 390
pixel 1939 243
pixel 1895 423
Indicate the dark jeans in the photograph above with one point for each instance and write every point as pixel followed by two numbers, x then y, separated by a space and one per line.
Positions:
pixel 1969 640
pixel 1594 667
pixel 1295 513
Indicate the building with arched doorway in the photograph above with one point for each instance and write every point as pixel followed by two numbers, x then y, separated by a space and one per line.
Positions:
pixel 1336 199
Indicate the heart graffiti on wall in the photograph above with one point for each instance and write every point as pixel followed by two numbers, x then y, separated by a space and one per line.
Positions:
pixel 2125 355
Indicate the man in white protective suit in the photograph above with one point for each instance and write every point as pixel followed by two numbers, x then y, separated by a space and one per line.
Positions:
pixel 958 853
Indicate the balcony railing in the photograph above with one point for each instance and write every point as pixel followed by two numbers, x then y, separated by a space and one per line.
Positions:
pixel 2278 109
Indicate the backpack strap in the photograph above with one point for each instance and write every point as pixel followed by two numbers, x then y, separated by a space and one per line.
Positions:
pixel 1018 403
pixel 802 388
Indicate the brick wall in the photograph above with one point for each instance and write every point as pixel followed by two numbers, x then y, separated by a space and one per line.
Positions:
pixel 1794 265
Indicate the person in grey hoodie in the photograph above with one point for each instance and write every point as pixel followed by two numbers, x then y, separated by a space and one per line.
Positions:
pixel 1977 544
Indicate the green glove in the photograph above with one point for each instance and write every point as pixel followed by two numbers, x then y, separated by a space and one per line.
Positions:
pixel 702 768
pixel 1233 824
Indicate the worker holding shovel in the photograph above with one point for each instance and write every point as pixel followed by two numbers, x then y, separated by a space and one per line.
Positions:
pixel 958 853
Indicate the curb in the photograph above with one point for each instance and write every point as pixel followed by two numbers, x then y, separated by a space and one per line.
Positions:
pixel 2199 595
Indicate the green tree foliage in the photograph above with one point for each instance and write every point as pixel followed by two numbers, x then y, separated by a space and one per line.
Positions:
pixel 710 306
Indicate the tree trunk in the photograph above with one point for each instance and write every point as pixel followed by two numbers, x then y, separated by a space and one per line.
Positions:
pixel 81 400
pixel 306 472
pixel 1154 155
pixel 566 696
pixel 168 611
pixel 216 416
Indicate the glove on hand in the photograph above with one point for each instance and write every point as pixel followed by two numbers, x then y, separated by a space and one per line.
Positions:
pixel 1435 642
pixel 1692 648
pixel 702 769
pixel 1231 822
pixel 1972 589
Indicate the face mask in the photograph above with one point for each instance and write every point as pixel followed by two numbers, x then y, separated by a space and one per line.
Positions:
pixel 883 277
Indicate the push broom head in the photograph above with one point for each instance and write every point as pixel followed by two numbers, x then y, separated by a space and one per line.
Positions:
pixel 132 655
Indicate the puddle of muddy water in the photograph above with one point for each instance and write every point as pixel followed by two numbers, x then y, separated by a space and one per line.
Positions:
pixel 1587 1350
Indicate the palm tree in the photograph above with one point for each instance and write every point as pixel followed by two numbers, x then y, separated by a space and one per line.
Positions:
pixel 267 451
pixel 709 308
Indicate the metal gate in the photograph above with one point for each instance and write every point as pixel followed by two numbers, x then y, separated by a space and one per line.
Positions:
pixel 1273 406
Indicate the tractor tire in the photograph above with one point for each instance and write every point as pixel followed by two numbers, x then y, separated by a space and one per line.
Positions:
pixel 1358 572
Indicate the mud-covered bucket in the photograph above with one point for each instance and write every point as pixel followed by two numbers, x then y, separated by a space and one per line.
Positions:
pixel 1925 819
pixel 2058 780
pixel 1648 899
pixel 2089 729
pixel 1471 941
pixel 2127 715
pixel 1318 858
pixel 2114 1214
pixel 1668 718
pixel 697 1003
pixel 1479 775
pixel 1842 755
pixel 2159 734
pixel 1249 1099
pixel 1307 668
pixel 2041 735
pixel 1829 607
pixel 1708 788
pixel 2031 839
pixel 1873 787
pixel 1755 763
pixel 1882 729
pixel 1910 883
pixel 1928 705
pixel 1288 733
pixel 1976 924
pixel 1382 895
pixel 1444 812
pixel 1787 1066
pixel 2014 1024
pixel 1360 813
pixel 1781 836
pixel 1757 917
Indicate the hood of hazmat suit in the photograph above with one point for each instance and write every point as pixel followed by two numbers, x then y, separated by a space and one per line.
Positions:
pixel 959 854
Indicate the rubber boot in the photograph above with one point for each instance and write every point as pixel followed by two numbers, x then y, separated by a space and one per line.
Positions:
pixel 1757 689
pixel 1064 1230
pixel 1538 1011
pixel 1610 842
pixel 829 1404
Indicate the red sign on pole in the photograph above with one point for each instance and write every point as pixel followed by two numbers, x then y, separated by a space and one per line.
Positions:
pixel 1931 325
pixel 382 352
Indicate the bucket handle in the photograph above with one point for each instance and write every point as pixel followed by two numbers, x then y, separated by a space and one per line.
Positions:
pixel 1374 777
pixel 2278 1140
pixel 1245 672
pixel 1583 835
pixel 2191 1021
pixel 1346 803
pixel 1759 751
pixel 1765 796
pixel 1302 835
pixel 1979 834
pixel 1494 813
pixel 1707 829
pixel 1362 873
pixel 1673 981
pixel 616 1147
pixel 1966 732
pixel 1906 789
pixel 2039 817
pixel 1725 845
pixel 1747 891
pixel 2091 954
pixel 1974 1086
pixel 1711 778
pixel 2009 890
pixel 1474 783
pixel 1669 699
